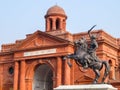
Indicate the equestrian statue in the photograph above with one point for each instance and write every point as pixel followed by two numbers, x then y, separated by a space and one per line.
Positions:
pixel 86 57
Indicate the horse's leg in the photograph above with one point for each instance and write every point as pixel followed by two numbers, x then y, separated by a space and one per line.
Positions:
pixel 97 75
pixel 106 72
pixel 69 63
pixel 68 57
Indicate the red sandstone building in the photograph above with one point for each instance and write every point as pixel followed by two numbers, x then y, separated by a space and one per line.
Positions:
pixel 35 63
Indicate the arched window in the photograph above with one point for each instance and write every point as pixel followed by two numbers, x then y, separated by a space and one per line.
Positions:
pixel 57 23
pixel 110 62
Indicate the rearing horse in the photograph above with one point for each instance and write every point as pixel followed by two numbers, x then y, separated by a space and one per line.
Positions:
pixel 81 56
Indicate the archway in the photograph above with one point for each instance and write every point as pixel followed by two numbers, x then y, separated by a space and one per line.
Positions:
pixel 42 79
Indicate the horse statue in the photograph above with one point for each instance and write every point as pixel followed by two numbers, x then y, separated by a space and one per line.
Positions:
pixel 83 58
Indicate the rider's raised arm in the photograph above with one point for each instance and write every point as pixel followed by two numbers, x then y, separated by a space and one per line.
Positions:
pixel 89 31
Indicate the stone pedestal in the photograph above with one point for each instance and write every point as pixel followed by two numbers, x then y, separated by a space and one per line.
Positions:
pixel 86 87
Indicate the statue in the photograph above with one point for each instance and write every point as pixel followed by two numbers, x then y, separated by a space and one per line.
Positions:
pixel 86 56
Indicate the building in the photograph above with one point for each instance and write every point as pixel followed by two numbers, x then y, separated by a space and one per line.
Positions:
pixel 36 62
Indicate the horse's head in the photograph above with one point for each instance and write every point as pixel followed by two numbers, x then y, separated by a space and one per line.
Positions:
pixel 78 43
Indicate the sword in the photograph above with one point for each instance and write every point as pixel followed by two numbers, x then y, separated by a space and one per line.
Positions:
pixel 91 28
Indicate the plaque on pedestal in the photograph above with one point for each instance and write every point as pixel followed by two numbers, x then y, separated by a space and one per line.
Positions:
pixel 86 87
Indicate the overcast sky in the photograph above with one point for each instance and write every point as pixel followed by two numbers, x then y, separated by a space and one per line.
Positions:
pixel 21 17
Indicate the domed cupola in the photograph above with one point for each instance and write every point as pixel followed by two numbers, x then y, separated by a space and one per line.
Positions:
pixel 55 19
pixel 55 10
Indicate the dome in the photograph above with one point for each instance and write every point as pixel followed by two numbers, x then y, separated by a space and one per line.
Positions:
pixel 56 10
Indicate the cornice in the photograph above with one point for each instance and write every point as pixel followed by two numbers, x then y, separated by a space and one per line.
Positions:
pixel 43 47
pixel 103 41
pixel 54 14
pixel 9 61
pixel 6 53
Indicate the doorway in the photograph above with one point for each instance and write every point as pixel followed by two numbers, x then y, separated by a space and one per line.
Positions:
pixel 42 79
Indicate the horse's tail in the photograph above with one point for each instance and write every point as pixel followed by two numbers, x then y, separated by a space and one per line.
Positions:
pixel 107 70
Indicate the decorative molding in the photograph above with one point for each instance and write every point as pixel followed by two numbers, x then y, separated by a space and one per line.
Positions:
pixel 40 52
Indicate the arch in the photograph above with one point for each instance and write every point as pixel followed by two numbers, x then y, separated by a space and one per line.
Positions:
pixel 42 78
pixel 29 77
pixel 32 67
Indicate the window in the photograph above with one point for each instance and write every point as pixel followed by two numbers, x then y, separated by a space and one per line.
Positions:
pixel 11 70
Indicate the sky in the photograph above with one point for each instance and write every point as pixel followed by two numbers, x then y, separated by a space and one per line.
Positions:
pixel 21 17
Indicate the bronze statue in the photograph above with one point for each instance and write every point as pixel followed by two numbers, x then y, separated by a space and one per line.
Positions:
pixel 86 56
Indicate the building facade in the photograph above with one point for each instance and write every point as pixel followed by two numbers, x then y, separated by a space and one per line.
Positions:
pixel 36 62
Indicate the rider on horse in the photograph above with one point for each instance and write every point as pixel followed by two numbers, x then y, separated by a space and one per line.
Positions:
pixel 93 46
pixel 86 56
pixel 91 50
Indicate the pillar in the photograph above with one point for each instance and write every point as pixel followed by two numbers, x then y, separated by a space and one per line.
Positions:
pixel 72 73
pixel 16 77
pixel 112 72
pixel 29 84
pixel 64 24
pixel 22 75
pixel 54 24
pixel 47 24
pixel 66 73
pixel 59 72
pixel 61 21
pixel 1 76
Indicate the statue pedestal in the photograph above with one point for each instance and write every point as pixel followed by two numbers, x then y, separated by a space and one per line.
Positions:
pixel 86 87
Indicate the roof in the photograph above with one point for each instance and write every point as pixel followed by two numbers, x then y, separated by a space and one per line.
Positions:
pixel 55 10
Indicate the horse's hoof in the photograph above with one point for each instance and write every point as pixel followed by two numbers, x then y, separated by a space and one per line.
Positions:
pixel 103 83
pixel 94 82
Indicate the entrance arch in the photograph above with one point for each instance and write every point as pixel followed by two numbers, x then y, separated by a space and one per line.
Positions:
pixel 42 79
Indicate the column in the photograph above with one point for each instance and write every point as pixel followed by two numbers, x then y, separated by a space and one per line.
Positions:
pixel 47 24
pixel 59 72
pixel 1 76
pixel 16 77
pixel 72 72
pixel 29 84
pixel 64 24
pixel 54 24
pixel 66 73
pixel 22 75
pixel 112 72
pixel 61 21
